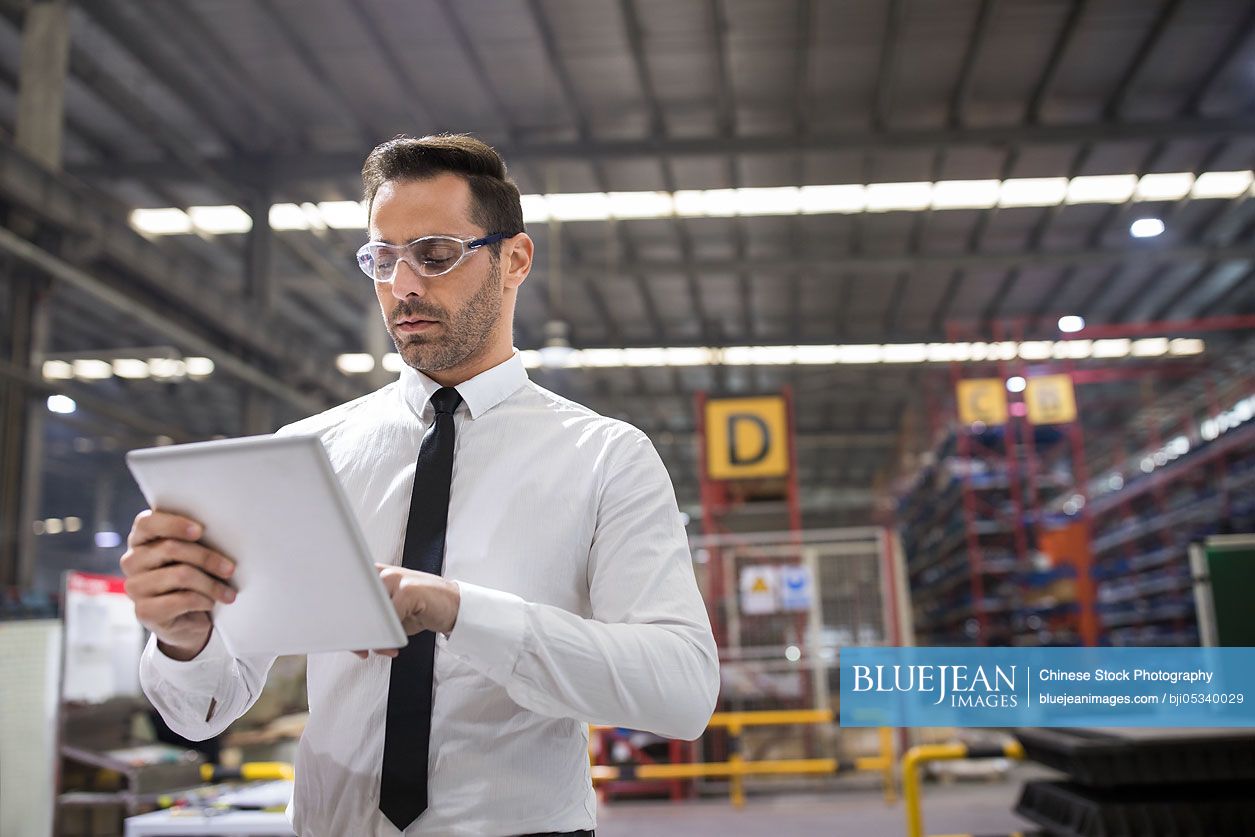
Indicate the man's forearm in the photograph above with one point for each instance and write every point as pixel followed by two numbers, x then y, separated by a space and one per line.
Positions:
pixel 659 677
pixel 200 697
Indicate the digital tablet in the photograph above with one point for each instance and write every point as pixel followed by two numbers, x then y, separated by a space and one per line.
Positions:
pixel 304 576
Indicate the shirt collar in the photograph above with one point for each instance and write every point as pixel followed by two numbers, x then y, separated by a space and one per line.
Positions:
pixel 481 393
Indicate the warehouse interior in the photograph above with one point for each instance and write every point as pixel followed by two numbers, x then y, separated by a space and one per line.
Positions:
pixel 993 257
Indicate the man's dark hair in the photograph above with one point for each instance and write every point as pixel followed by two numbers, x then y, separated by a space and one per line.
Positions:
pixel 495 203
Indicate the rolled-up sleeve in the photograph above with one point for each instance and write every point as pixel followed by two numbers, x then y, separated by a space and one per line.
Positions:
pixel 646 659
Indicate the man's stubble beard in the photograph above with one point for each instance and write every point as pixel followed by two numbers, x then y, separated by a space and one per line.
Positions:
pixel 463 336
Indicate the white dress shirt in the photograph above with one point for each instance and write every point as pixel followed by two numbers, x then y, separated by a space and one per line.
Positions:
pixel 579 606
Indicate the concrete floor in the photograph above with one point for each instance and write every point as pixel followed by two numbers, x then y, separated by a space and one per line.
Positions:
pixel 852 809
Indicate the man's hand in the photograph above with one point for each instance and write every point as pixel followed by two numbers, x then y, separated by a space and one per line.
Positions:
pixel 174 581
pixel 424 602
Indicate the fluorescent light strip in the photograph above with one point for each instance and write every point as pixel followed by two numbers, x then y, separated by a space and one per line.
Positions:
pixel 749 202
pixel 833 354
pixel 135 369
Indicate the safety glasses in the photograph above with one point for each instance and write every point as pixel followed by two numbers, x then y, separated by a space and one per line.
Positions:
pixel 431 255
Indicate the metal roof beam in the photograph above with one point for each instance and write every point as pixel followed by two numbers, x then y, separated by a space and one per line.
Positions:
pixel 49 196
pixel 297 167
pixel 830 264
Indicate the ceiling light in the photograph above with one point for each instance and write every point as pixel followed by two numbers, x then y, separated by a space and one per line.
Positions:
pixel 585 206
pixel 220 220
pixel 57 370
pixel 313 216
pixel 904 352
pixel 166 367
pixel 1033 191
pixel 644 357
pixel 965 194
pixel 1071 324
pixel 73 524
pixel 131 368
pixel 602 358
pixel 690 356
pixel 1016 384
pixel 392 362
pixel 1119 347
pixel 1150 347
pixel 199 367
pixel 288 216
pixel 343 215
pixel 92 370
pixel 1164 187
pixel 1035 350
pixel 861 354
pixel 1073 349
pixel 164 221
pixel 819 200
pixel 54 526
pixel 891 197
pixel 355 363
pixel 750 201
pixel 535 209
pixel 1221 184
pixel 818 354
pixel 108 540
pixel 696 203
pixel 1186 346
pixel 61 404
pixel 1110 188
pixel 785 200
pixel 641 204
pixel 1146 228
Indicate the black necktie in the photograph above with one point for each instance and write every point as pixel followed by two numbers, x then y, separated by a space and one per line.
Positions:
pixel 403 783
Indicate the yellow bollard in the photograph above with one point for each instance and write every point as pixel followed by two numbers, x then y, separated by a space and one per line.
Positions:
pixel 940 752
pixel 886 753
pixel 736 787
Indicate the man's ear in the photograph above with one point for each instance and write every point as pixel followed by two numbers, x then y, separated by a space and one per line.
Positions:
pixel 516 259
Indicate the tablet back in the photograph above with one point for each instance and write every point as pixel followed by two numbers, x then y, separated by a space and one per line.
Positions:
pixel 304 576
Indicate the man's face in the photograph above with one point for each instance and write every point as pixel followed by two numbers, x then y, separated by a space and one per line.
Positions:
pixel 440 322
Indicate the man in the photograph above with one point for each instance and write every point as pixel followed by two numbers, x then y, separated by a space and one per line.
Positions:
pixel 537 562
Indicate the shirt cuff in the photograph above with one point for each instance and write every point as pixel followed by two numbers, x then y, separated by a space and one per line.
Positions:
pixel 488 633
pixel 199 675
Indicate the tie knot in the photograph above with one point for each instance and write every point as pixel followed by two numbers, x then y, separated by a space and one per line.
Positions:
pixel 445 400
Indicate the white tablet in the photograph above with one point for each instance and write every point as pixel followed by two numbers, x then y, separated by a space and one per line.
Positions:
pixel 304 577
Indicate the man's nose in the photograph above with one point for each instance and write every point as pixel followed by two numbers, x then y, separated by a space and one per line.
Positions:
pixel 406 282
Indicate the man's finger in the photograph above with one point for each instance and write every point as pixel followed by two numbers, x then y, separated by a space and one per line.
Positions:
pixel 176 577
pixel 151 525
pixel 154 555
pixel 161 610
pixel 362 654
pixel 386 652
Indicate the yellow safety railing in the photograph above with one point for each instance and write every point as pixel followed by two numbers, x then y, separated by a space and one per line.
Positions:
pixel 942 752
pixel 736 768
pixel 253 771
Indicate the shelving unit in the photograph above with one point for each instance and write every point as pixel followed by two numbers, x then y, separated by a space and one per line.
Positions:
pixel 971 527
pixel 1006 538
pixel 1143 529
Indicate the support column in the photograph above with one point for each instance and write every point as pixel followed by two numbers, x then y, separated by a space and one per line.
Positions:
pixel 258 416
pixel 378 343
pixel 38 133
pixel 41 85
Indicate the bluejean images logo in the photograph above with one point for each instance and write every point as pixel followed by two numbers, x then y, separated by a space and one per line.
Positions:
pixel 957 686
